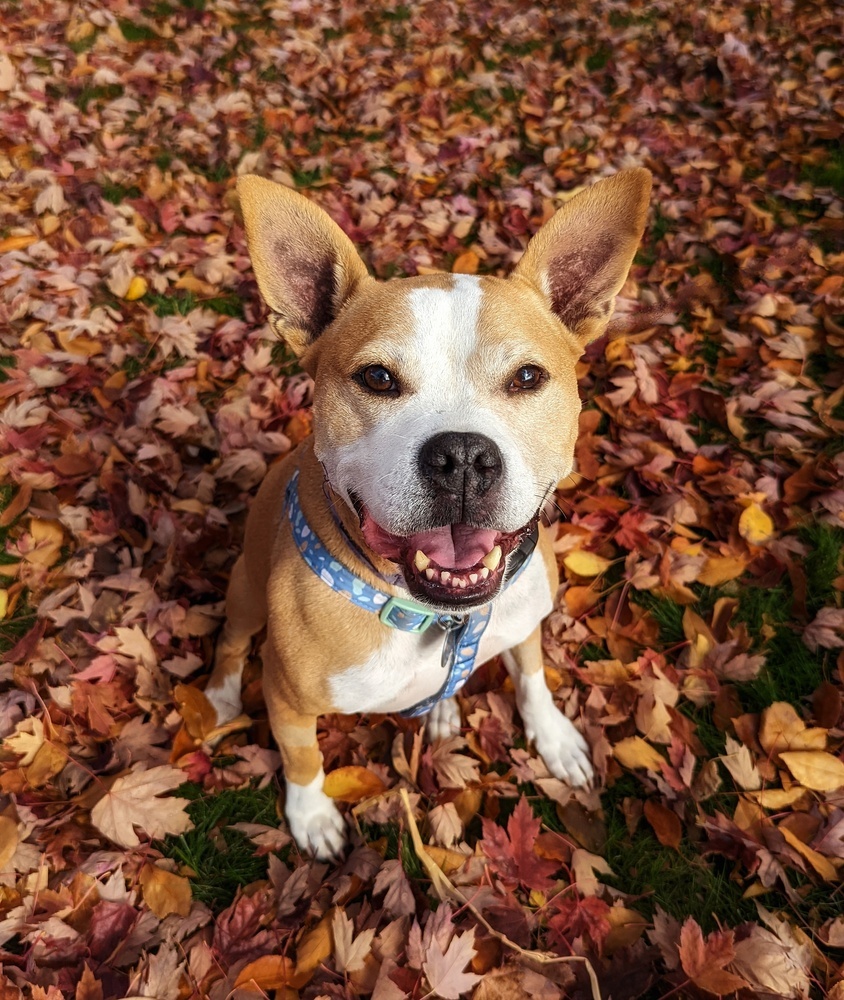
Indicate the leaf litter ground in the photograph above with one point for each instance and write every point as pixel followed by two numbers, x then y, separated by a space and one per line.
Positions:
pixel 699 624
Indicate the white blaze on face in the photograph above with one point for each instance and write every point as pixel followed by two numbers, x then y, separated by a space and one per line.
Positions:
pixel 449 384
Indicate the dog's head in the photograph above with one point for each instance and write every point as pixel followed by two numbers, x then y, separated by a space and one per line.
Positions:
pixel 446 406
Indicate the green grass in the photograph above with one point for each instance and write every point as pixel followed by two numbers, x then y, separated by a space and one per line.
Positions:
pixel 106 92
pixel 220 858
pixel 682 882
pixel 178 303
pixel 118 193
pixel 14 628
pixel 599 58
pixel 829 173
pixel 134 32
pixel 7 361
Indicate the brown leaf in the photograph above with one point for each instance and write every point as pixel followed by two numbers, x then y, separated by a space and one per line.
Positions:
pixel 665 822
pixel 270 972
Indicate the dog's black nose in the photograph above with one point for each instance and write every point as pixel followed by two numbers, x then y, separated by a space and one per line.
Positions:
pixel 462 465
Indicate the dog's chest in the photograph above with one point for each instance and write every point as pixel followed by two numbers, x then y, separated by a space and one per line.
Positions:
pixel 408 668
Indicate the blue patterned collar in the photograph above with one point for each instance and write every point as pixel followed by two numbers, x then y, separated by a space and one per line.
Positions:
pixel 463 633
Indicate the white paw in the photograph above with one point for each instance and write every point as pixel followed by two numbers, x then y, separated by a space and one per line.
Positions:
pixel 560 745
pixel 317 825
pixel 443 720
pixel 226 700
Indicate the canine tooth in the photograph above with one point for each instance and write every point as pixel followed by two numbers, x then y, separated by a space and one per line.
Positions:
pixel 492 559
pixel 484 573
pixel 430 573
pixel 445 576
pixel 473 578
pixel 421 561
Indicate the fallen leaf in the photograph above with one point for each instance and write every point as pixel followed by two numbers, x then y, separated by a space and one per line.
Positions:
pixel 445 970
pixel 633 752
pixel 352 784
pixel 135 799
pixel 585 563
pixel 815 769
pixel 164 892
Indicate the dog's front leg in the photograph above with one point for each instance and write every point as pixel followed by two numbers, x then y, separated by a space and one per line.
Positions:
pixel 560 745
pixel 315 821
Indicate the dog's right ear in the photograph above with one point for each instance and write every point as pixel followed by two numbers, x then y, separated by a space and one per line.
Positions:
pixel 305 264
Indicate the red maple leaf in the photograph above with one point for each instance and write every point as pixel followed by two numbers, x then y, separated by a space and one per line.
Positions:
pixel 578 917
pixel 511 854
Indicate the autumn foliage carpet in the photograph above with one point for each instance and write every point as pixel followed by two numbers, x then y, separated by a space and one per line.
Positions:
pixel 699 624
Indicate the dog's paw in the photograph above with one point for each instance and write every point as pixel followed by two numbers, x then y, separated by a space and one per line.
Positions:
pixel 315 822
pixel 226 701
pixel 560 745
pixel 443 720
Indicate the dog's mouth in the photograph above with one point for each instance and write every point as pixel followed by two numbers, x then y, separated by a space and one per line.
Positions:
pixel 454 566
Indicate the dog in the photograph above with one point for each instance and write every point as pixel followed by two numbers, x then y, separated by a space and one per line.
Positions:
pixel 400 546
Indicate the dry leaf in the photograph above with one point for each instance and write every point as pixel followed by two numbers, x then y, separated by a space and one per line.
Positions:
pixel 164 892
pixel 633 752
pixel 352 784
pixel 135 799
pixel 815 769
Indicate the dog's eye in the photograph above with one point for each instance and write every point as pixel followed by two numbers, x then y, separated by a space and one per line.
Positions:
pixel 527 377
pixel 377 379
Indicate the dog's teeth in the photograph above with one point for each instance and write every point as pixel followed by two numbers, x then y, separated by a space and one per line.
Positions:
pixel 484 573
pixel 492 559
pixel 430 573
pixel 461 583
pixel 421 561
pixel 473 578
pixel 445 576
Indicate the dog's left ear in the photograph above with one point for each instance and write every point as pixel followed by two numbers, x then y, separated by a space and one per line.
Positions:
pixel 306 266
pixel 580 258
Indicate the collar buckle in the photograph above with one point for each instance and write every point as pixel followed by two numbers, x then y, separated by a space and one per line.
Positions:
pixel 406 616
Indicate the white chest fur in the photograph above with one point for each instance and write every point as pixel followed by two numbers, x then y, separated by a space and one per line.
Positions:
pixel 408 668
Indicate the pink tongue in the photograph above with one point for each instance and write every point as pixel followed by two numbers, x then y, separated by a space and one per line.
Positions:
pixel 455 546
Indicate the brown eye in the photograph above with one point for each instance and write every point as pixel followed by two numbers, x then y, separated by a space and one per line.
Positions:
pixel 377 379
pixel 527 377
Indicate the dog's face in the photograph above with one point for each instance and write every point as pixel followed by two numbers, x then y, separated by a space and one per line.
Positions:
pixel 445 406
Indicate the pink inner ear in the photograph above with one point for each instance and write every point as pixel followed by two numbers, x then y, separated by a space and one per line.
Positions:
pixel 310 286
pixel 575 283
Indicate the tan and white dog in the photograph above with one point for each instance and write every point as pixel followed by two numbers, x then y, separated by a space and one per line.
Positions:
pixel 445 412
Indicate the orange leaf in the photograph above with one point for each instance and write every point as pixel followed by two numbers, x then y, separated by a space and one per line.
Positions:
pixel 164 892
pixel 665 822
pixel 314 948
pixel 269 972
pixel 466 263
pixel 351 784
pixel 199 714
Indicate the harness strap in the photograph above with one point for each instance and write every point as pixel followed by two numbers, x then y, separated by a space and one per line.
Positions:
pixel 463 633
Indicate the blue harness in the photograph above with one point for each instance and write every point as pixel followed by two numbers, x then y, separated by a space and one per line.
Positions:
pixel 462 632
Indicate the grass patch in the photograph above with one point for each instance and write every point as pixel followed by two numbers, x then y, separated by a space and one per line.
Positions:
pixel 667 615
pixel 599 58
pixel 134 32
pixel 823 563
pixel 829 173
pixel 7 361
pixel 106 92
pixel 180 303
pixel 15 627
pixel 222 859
pixel 682 882
pixel 118 193
pixel 83 44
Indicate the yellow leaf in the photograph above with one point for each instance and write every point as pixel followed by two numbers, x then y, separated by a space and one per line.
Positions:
pixel 48 538
pixel 86 346
pixel 466 263
pixel 778 798
pixel 48 761
pixel 137 288
pixel 633 752
pixel 815 769
pixel 626 926
pixel 28 740
pixel 782 728
pixel 823 866
pixel 755 526
pixel 17 242
pixel 447 861
pixel 8 841
pixel 314 948
pixel 721 569
pixel 270 972
pixel 351 784
pixel 164 892
pixel 4 603
pixel 585 563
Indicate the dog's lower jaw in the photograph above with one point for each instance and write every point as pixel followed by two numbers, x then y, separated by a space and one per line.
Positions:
pixel 315 822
